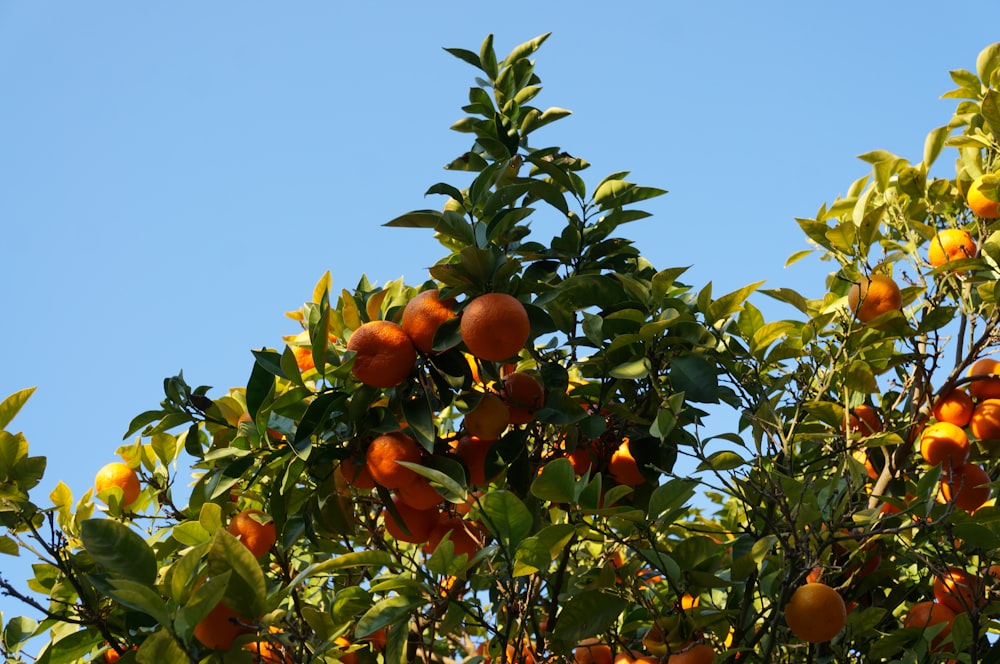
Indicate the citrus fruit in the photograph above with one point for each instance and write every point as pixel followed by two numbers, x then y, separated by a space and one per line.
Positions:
pixel 420 494
pixel 423 315
pixel 955 407
pixel 944 443
pixel 257 535
pixel 384 354
pixel 418 523
pixel 951 244
pixel 473 451
pixel 111 655
pixel 592 652
pixel 959 590
pixel 985 421
pixel 385 451
pixel 964 487
pixel 495 326
pixel 120 475
pixel 987 387
pixel 929 614
pixel 489 418
pixel 355 472
pixel 460 534
pixel 268 652
pixel 864 419
pixel 874 296
pixel 700 653
pixel 304 358
pixel 523 395
pixel 978 202
pixel 220 627
pixel 623 467
pixel 816 612
pixel 629 657
pixel 347 657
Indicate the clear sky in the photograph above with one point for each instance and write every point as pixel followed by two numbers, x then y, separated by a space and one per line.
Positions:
pixel 175 176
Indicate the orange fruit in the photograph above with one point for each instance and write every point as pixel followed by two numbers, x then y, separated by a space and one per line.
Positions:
pixel 944 443
pixel 473 451
pixel 459 532
pixel 489 418
pixel 523 395
pixel 592 652
pixel 120 475
pixel 959 590
pixel 928 614
pixel 269 652
pixel 304 358
pixel 955 407
pixel 418 522
pixel 220 627
pixel 985 421
pixel 583 458
pixel 874 296
pixel 495 326
pixel 348 657
pixel 816 613
pixel 384 354
pixel 628 657
pixel 385 451
pixel 700 653
pixel 423 315
pixel 256 535
pixel 951 244
pixel 977 200
pixel 419 494
pixel 963 486
pixel 623 467
pixel 112 656
pixel 864 419
pixel 355 472
pixel 989 387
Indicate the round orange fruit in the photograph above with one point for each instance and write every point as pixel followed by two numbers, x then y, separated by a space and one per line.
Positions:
pixel 816 613
pixel 220 628
pixel 423 315
pixel 488 419
pixel 383 354
pixel 928 614
pixel 985 421
pixel 495 326
pixel 700 653
pixel 385 451
pixel 978 202
pixel 944 443
pixel 523 396
pixel 951 244
pixel 988 385
pixel 964 486
pixel 256 534
pixel 959 590
pixel 874 296
pixel 623 467
pixel 120 475
pixel 956 407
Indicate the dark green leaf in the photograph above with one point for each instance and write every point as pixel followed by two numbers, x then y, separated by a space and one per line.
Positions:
pixel 556 482
pixel 119 549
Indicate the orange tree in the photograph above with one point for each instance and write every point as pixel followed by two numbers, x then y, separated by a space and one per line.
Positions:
pixel 481 467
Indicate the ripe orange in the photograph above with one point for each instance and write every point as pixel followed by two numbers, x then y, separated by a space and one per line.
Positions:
pixel 473 451
pixel 963 486
pixel 623 467
pixel 256 535
pixel 592 652
pixel 977 200
pixel 418 522
pixel 523 395
pixel 701 653
pixel 955 407
pixel 304 358
pixel 423 315
pixel 220 628
pixel 420 494
pixel 269 652
pixel 864 419
pixel 347 657
pixel 120 475
pixel 944 443
pixel 951 244
pixel 816 613
pixel 874 296
pixel 489 418
pixel 111 656
pixel 495 326
pixel 985 388
pixel 459 533
pixel 385 451
pixel 985 421
pixel 583 458
pixel 629 657
pixel 928 614
pixel 959 590
pixel 384 354
pixel 355 471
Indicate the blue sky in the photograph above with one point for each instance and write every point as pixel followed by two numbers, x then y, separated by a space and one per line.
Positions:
pixel 175 176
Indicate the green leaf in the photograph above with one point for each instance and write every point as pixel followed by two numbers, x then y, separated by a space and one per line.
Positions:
pixel 447 474
pixel 536 553
pixel 375 559
pixel 246 591
pixel 386 612
pixel 9 546
pixel 670 499
pixel 722 461
pixel 10 406
pixel 506 516
pixel 587 614
pixel 987 62
pixel 695 376
pixel 119 550
pixel 730 303
pixel 17 632
pixel 467 56
pixel 140 597
pixel 556 482
pixel 313 419
pixel 159 647
pixel 934 143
